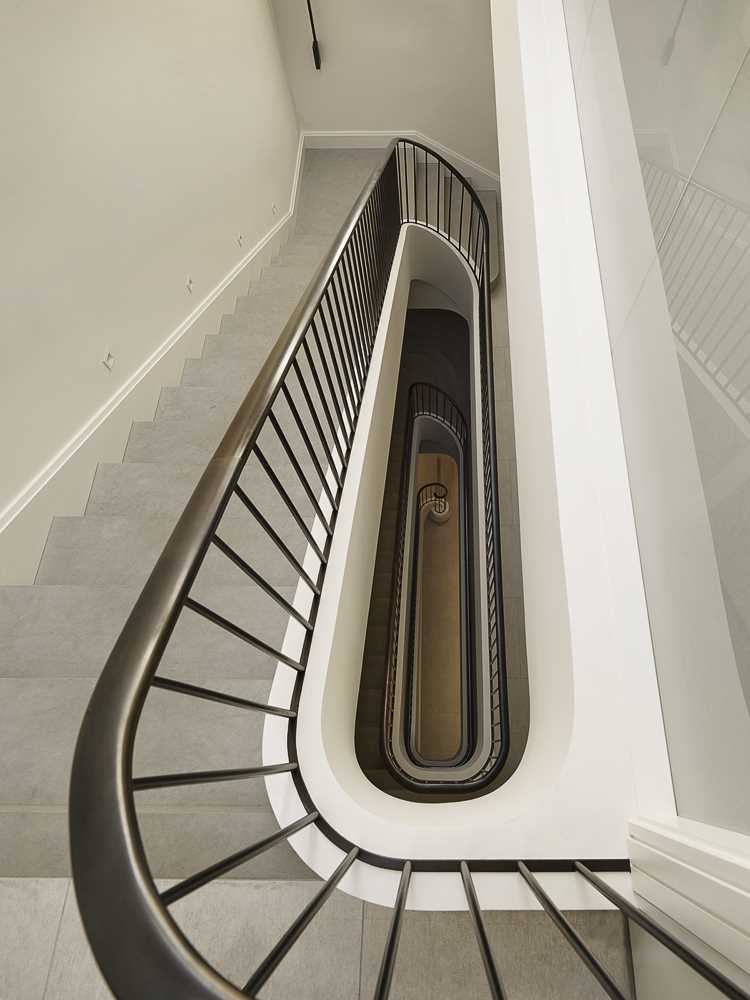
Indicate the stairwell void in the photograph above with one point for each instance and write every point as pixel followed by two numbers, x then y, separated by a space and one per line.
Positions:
pixel 426 561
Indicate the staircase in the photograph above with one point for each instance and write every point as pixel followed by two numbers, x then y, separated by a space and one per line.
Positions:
pixel 56 635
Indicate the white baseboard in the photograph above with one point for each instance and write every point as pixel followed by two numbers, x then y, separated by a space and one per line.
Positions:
pixel 699 876
pixel 482 177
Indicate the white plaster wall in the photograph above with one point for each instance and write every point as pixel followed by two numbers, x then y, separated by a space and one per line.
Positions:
pixel 139 142
pixel 575 787
pixel 391 66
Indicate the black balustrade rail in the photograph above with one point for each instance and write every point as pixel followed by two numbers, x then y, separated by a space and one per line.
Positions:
pixel 293 433
pixel 436 195
pixel 433 495
pixel 426 400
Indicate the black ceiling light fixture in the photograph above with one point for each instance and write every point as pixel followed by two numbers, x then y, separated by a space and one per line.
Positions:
pixel 315 46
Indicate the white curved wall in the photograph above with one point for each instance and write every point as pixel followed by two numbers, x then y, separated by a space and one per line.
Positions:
pixel 573 791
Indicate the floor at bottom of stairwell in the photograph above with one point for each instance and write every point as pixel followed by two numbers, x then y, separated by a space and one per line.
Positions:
pixel 44 955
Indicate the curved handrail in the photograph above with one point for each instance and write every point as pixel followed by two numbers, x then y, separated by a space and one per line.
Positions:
pixel 435 495
pixel 426 400
pixel 113 883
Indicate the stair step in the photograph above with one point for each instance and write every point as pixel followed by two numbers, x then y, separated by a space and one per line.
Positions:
pixel 68 631
pixel 237 345
pixel 368 743
pixel 108 550
pixel 370 707
pixel 178 842
pixel 235 374
pixel 193 441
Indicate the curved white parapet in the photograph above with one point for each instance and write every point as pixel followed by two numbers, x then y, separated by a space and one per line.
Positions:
pixel 573 792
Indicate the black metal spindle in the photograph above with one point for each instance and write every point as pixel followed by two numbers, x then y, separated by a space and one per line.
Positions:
pixel 572 936
pixel 209 777
pixel 357 294
pixel 461 219
pixel 342 341
pixel 264 585
pixel 348 326
pixel 274 957
pixel 367 276
pixel 299 471
pixel 228 864
pixel 687 955
pixel 369 245
pixel 340 372
pixel 278 540
pixel 240 633
pixel 344 426
pixel 438 198
pixel 494 981
pixel 449 227
pixel 385 976
pixel 289 503
pixel 207 694
pixel 293 409
pixel 414 157
pixel 336 472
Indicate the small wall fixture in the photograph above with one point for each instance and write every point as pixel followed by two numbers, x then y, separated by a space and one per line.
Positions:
pixel 315 46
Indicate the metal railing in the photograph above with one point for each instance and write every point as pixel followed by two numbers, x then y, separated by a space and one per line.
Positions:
pixel 427 400
pixel 703 240
pixel 301 413
pixel 434 495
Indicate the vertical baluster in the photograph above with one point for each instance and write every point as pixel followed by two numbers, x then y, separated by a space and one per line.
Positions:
pixel 461 218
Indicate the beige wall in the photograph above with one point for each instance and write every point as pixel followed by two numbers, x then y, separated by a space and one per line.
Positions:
pixel 139 141
pixel 390 65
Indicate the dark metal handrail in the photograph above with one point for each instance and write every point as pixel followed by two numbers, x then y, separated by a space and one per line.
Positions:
pixel 433 495
pixel 319 363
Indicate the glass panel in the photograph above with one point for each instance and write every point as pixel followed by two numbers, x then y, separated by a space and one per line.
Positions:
pixel 663 88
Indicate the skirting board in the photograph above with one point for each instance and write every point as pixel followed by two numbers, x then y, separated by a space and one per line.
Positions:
pixel 483 178
pixel 700 876
pixel 62 486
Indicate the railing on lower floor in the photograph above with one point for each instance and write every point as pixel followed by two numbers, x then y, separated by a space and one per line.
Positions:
pixel 482 706
pixel 435 496
pixel 703 241
pixel 292 436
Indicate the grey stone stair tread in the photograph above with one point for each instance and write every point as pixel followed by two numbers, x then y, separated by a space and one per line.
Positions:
pixel 236 345
pixel 56 635
pixel 193 441
pixel 124 550
pixel 232 373
pixel 265 321
pixel 178 842
pixel 251 347
pixel 438 956
pixel 40 718
pixel 287 280
pixel 153 489
pixel 69 630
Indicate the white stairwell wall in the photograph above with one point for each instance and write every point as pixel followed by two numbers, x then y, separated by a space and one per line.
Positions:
pixel 140 142
pixel 390 67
